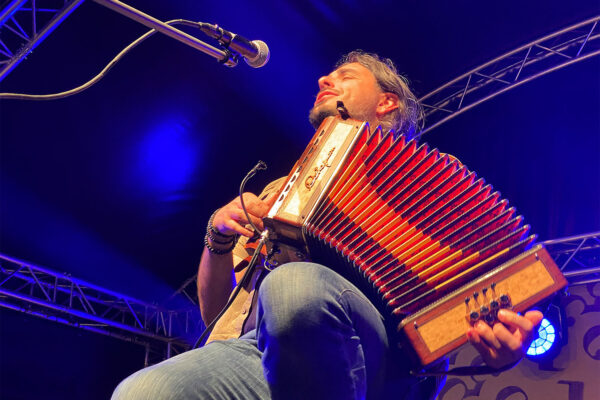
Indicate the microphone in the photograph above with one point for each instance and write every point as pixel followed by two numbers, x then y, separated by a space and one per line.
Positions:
pixel 255 53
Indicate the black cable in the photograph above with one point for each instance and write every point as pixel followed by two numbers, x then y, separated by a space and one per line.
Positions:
pixel 260 165
pixel 251 265
pixel 101 74
pixel 241 284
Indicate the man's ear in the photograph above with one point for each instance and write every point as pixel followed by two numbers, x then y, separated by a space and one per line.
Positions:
pixel 387 103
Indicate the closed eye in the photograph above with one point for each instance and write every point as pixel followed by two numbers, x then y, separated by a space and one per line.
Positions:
pixel 346 76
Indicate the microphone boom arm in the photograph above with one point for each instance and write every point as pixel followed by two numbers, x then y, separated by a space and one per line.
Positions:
pixel 223 57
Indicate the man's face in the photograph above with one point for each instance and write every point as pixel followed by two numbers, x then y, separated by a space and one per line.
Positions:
pixel 355 86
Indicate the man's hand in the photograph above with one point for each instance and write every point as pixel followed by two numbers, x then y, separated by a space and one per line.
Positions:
pixel 508 340
pixel 231 219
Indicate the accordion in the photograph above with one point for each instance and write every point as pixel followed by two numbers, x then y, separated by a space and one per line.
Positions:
pixel 430 244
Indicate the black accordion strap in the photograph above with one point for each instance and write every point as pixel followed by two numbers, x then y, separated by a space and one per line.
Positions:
pixel 467 371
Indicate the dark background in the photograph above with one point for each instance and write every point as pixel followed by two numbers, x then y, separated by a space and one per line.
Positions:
pixel 115 185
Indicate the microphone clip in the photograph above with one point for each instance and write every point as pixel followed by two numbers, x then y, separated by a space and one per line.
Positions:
pixel 342 110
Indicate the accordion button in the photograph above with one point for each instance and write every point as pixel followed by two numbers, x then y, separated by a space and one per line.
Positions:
pixel 484 310
pixel 490 318
pixel 504 299
pixel 494 304
pixel 474 316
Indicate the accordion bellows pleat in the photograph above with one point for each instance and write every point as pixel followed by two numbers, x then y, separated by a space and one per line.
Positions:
pixel 405 223
pixel 413 222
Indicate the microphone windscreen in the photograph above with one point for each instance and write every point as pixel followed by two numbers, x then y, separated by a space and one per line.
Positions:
pixel 262 57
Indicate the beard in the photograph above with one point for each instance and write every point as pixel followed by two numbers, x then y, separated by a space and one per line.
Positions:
pixel 317 114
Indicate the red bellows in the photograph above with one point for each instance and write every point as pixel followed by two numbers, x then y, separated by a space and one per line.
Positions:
pixel 412 222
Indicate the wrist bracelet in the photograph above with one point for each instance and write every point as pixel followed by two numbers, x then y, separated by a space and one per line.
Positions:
pixel 213 233
pixel 217 251
pixel 217 241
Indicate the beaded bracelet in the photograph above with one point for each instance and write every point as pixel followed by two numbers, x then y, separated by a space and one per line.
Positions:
pixel 217 241
pixel 214 234
pixel 217 251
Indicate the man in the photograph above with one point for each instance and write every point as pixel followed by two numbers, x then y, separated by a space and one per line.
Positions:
pixel 309 333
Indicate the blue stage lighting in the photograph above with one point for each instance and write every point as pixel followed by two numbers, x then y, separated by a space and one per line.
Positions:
pixel 169 155
pixel 547 337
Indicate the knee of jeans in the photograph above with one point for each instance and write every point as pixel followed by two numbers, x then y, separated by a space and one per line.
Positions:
pixel 129 388
pixel 144 384
pixel 292 283
pixel 295 293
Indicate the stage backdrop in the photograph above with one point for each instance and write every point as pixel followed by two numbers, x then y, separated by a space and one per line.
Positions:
pixel 573 375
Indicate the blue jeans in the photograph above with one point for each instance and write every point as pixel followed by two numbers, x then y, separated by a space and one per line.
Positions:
pixel 317 337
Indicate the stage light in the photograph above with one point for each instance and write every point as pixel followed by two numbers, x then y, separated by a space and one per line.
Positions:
pixel 168 155
pixel 545 341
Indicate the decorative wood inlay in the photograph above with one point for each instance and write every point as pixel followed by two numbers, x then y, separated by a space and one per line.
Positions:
pixel 452 324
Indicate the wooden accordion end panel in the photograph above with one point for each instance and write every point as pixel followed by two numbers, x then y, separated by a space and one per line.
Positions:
pixel 518 285
pixel 413 228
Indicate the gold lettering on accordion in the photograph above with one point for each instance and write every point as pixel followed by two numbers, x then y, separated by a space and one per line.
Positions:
pixel 312 179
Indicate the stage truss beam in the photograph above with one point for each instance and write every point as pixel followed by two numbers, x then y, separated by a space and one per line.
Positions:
pixel 578 257
pixel 540 57
pixel 62 298
pixel 24 24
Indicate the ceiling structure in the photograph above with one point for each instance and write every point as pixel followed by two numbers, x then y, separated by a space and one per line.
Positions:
pixel 115 185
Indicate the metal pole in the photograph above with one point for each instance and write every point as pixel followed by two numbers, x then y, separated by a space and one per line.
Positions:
pixel 147 356
pixel 161 27
pixel 587 271
pixel 56 20
pixel 81 314
pixel 10 9
pixel 571 238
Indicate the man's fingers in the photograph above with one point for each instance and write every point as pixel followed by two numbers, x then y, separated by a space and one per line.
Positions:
pixel 535 317
pixel 238 228
pixel 257 222
pixel 526 324
pixel 271 199
pixel 254 205
pixel 233 219
pixel 485 332
pixel 479 345
pixel 240 217
pixel 230 221
pixel 507 338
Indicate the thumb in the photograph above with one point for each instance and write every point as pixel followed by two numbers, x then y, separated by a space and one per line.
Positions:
pixel 271 198
pixel 535 317
pixel 528 336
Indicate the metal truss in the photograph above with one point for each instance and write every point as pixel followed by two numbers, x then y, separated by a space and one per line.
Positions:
pixel 188 290
pixel 61 298
pixel 538 58
pixel 24 24
pixel 578 257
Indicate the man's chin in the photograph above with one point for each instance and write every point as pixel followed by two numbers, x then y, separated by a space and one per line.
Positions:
pixel 318 114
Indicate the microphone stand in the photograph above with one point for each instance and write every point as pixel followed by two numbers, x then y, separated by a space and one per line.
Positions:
pixel 224 57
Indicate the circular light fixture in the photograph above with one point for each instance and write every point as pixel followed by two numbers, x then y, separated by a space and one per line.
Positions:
pixel 545 340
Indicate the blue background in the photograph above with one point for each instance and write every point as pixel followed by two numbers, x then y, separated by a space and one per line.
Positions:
pixel 115 185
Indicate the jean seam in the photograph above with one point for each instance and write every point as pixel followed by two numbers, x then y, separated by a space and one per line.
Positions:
pixel 360 295
pixel 340 301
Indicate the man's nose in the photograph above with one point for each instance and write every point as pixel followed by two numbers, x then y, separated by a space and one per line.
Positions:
pixel 325 82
